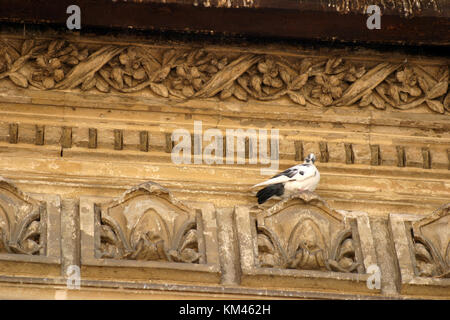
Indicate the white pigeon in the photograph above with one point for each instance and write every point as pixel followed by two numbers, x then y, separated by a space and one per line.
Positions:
pixel 296 179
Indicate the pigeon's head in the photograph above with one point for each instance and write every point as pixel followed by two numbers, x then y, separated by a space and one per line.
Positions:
pixel 311 158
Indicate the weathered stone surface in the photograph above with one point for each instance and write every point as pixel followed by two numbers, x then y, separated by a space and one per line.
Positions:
pixel 30 232
pixel 302 242
pixel 148 231
pixel 384 166
pixel 184 74
pixel 422 248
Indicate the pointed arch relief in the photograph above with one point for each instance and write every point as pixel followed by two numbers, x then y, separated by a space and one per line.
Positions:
pixel 302 242
pixel 303 232
pixel 30 232
pixel 22 222
pixel 148 224
pixel 431 244
pixel 146 234
pixel 422 251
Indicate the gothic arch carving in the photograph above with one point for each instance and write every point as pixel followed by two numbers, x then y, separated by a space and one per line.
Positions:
pixel 148 224
pixel 302 242
pixel 304 233
pixel 22 222
pixel 431 240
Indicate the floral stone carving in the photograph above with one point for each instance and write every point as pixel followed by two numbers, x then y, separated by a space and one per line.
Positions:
pixel 431 238
pixel 30 232
pixel 148 234
pixel 422 247
pixel 304 238
pixel 301 238
pixel 22 222
pixel 180 73
pixel 146 223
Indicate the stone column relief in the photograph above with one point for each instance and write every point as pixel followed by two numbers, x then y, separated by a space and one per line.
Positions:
pixel 29 232
pixel 422 246
pixel 148 234
pixel 302 243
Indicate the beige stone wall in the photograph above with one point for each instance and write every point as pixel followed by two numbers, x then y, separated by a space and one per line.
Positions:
pixel 85 121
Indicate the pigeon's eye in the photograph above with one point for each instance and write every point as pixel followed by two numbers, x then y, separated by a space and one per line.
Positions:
pixel 301 172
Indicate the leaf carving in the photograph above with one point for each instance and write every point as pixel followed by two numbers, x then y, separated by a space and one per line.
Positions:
pixel 226 93
pixel 435 105
pixel 101 84
pixel 227 75
pixel 423 84
pixel 366 100
pixel 86 69
pixel 394 92
pixel 159 89
pixel 117 76
pixel 26 46
pixel 367 82
pixel 297 98
pixel 240 93
pixel 19 63
pixel 169 57
pixel 447 102
pixel 18 79
pixel 149 63
pixel 161 74
pixel 438 90
pixel 299 82
pixel 256 83
pixel 377 101
pixel 411 105
pixel 88 84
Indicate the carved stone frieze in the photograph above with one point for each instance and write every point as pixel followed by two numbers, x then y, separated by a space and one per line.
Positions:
pixel 181 73
pixel 304 239
pixel 422 246
pixel 149 236
pixel 150 229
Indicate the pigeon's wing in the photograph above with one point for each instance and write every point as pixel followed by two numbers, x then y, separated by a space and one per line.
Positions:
pixel 289 174
pixel 306 175
pixel 306 171
pixel 307 182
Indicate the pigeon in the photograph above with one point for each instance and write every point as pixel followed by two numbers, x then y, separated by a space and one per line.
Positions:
pixel 296 179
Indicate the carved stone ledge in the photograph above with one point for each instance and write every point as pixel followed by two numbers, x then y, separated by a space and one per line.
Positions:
pixel 29 232
pixel 199 73
pixel 147 234
pixel 423 251
pixel 302 242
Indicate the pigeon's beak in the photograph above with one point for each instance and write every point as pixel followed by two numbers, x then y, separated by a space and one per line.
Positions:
pixel 310 159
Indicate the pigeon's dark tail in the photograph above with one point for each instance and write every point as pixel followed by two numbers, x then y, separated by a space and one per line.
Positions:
pixel 272 190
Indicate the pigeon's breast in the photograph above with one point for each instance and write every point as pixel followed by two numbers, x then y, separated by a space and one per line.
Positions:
pixel 314 181
pixel 308 184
